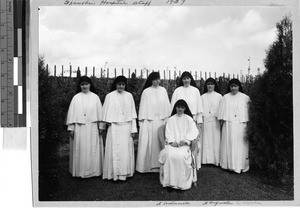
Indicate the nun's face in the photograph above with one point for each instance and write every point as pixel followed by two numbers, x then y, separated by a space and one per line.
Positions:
pixel 180 110
pixel 120 86
pixel 234 88
pixel 210 87
pixel 85 87
pixel 186 81
pixel 155 82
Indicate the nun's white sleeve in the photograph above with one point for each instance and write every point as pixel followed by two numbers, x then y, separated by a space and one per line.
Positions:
pixel 192 130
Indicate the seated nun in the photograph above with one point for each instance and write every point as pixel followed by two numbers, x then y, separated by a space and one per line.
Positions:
pixel 177 161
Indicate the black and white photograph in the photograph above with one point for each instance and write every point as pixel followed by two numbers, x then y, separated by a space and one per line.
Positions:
pixel 164 103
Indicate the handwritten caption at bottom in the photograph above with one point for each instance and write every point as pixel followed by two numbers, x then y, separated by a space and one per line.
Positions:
pixel 172 203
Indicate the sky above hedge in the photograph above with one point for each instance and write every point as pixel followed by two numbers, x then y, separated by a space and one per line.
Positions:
pixel 203 38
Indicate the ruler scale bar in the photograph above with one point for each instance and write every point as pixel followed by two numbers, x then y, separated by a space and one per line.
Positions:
pixel 16 62
pixel 19 42
pixel 20 72
pixel 22 99
pixel 13 65
pixel 16 67
pixel 15 28
pixel 15 105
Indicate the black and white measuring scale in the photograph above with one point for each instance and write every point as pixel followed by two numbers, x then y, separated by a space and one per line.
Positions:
pixel 13 66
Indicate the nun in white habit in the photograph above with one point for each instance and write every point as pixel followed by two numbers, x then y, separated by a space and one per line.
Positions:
pixel 188 91
pixel 83 121
pixel 211 134
pixel 233 116
pixel 120 116
pixel 154 111
pixel 177 161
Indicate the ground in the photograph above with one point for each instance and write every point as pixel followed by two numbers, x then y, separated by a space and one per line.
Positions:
pixel 214 184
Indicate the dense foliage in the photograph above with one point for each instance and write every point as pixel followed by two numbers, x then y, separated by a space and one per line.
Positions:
pixel 271 110
pixel 49 130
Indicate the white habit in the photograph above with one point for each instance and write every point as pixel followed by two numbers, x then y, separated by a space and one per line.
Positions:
pixel 234 146
pixel 119 112
pixel 86 149
pixel 153 112
pixel 177 162
pixel 193 98
pixel 211 134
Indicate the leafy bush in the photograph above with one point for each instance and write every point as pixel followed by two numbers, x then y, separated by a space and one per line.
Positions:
pixel 270 129
pixel 49 130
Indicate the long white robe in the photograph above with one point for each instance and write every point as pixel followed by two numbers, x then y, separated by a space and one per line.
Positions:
pixel 86 148
pixel 177 162
pixel 211 134
pixel 193 98
pixel 234 147
pixel 119 112
pixel 153 112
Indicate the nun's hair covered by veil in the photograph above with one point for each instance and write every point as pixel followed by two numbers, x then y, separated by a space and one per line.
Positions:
pixel 187 74
pixel 87 80
pixel 236 82
pixel 116 81
pixel 182 102
pixel 212 80
pixel 152 76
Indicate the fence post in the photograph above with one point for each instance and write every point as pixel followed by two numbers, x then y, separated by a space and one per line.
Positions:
pixel 196 76
pixel 101 71
pixel 62 71
pixel 115 72
pixel 86 71
pixel 93 71
pixel 147 73
pixel 55 70
pixel 200 75
pixel 70 70
pixel 135 72
pixel 205 75
pixel 209 74
pixel 223 75
pixel 122 72
pixel 215 75
pixel 228 76
pixel 107 72
pixel 129 73
pixel 169 75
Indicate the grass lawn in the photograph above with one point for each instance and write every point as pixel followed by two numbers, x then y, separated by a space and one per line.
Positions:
pixel 214 184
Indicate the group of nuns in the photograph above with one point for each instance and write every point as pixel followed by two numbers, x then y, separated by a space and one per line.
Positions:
pixel 174 139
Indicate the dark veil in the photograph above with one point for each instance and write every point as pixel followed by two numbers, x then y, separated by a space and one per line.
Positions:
pixel 116 81
pixel 152 76
pixel 87 80
pixel 212 80
pixel 182 102
pixel 236 82
pixel 187 74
